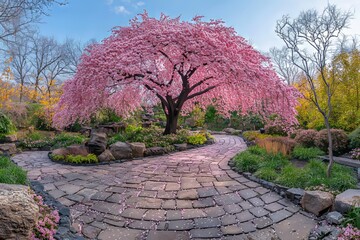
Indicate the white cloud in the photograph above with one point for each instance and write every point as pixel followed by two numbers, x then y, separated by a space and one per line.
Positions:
pixel 139 4
pixel 121 10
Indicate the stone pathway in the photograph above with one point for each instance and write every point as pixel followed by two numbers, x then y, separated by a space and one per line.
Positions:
pixel 184 195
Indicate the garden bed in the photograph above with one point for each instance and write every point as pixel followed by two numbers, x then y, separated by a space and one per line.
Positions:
pixel 133 143
pixel 278 173
pixel 189 147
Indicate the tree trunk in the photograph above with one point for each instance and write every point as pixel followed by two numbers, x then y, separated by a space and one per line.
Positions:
pixel 330 149
pixel 21 91
pixel 171 122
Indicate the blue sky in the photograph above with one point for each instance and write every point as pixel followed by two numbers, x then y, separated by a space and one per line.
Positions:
pixel 255 20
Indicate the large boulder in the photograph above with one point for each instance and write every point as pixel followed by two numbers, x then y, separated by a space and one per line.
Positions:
pixel 8 148
pixel 317 202
pixel 18 212
pixel 155 151
pixel 78 150
pixel 346 200
pixel 138 149
pixel 232 131
pixel 71 150
pixel 181 146
pixel 60 152
pixel 106 156
pixel 121 150
pixel 10 138
pixel 97 143
pixel 86 131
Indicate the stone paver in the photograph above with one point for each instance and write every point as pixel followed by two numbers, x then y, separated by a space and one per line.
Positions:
pixel 184 195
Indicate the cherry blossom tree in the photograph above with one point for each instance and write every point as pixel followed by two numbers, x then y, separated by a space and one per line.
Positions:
pixel 176 64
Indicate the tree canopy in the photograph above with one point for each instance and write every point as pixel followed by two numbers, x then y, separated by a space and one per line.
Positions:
pixel 177 64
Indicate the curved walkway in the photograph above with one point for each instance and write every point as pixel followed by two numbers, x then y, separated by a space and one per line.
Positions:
pixel 184 195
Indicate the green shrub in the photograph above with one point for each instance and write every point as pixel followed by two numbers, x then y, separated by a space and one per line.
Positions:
pixel 152 137
pixel 107 115
pixel 38 140
pixel 247 162
pixel 6 126
pixel 57 157
pixel 77 159
pixel 117 138
pixel 67 139
pixel 339 137
pixel 35 136
pixel 354 137
pixel 304 153
pixel 275 130
pixel 266 173
pixel 42 143
pixel 306 138
pixel 10 173
pixel 197 139
pixel 38 117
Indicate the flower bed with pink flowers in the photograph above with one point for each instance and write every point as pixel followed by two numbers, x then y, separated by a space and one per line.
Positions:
pixel 47 222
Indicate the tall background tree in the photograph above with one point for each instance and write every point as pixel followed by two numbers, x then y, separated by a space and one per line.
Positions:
pixel 310 39
pixel 345 72
pixel 282 59
pixel 16 15
pixel 176 64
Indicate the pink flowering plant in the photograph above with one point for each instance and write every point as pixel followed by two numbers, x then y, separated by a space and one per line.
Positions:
pixel 176 64
pixel 349 233
pixel 48 220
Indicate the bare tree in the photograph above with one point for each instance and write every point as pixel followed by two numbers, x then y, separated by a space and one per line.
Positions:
pixel 73 51
pixel 284 65
pixel 55 69
pixel 15 15
pixel 20 52
pixel 310 39
pixel 47 61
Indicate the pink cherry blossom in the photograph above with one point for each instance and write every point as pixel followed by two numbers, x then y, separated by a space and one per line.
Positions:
pixel 177 64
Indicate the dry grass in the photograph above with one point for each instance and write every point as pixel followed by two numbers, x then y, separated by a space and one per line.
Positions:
pixel 283 145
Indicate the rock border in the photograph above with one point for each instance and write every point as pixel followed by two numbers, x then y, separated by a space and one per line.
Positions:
pixel 190 147
pixel 64 231
pixel 293 194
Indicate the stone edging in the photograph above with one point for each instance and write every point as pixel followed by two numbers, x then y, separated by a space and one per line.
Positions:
pixel 293 196
pixel 64 231
pixel 190 147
